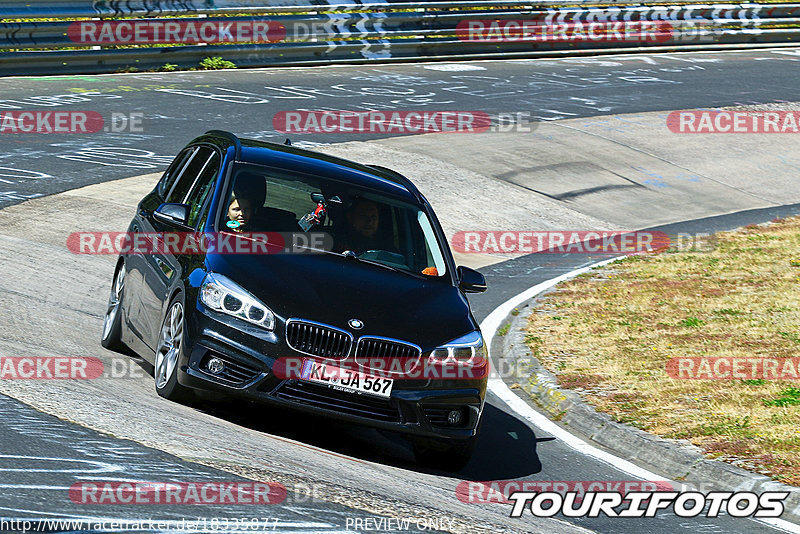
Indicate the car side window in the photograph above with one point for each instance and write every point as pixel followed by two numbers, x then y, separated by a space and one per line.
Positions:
pixel 179 193
pixel 202 188
pixel 174 170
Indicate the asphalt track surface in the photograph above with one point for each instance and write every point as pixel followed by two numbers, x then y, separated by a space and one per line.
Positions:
pixel 176 107
pixel 43 456
pixel 179 106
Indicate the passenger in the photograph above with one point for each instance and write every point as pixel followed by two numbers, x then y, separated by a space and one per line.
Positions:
pixel 247 200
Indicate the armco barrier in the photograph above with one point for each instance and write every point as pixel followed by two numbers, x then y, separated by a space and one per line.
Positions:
pixel 159 8
pixel 314 32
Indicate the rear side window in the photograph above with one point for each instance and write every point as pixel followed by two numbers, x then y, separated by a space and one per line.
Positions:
pixel 174 170
pixel 202 188
pixel 179 192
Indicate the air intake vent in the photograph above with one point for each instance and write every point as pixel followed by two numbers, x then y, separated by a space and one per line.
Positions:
pixel 342 402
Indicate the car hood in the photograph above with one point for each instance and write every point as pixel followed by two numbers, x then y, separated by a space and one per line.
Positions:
pixel 332 289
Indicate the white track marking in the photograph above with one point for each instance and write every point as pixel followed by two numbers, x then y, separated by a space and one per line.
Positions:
pixel 99 467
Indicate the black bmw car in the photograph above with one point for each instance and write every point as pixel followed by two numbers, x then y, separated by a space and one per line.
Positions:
pixel 357 277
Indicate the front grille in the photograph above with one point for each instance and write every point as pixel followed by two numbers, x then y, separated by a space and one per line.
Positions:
pixel 318 339
pixel 394 356
pixel 341 401
pixel 234 373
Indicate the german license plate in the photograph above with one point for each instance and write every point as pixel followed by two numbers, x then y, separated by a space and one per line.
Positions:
pixel 345 379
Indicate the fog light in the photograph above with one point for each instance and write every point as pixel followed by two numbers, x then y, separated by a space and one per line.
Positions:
pixel 454 417
pixel 215 366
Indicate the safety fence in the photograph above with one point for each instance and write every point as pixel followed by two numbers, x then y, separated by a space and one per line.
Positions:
pixel 53 36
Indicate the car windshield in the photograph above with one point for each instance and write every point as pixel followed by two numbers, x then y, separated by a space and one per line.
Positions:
pixel 356 222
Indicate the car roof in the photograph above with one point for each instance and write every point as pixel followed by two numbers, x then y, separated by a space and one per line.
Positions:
pixel 287 157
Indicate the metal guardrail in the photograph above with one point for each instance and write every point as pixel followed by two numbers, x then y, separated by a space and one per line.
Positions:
pixel 159 8
pixel 312 32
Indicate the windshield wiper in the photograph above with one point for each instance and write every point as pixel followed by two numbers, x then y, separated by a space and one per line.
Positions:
pixel 352 255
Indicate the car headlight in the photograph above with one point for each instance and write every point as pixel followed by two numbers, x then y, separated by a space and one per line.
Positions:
pixel 222 294
pixel 466 350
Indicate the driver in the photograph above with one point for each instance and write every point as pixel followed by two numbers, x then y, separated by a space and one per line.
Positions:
pixel 363 225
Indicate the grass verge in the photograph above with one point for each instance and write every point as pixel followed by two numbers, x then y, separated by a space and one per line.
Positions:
pixel 609 335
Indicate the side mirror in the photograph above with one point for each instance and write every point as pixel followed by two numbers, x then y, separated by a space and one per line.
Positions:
pixel 470 280
pixel 173 213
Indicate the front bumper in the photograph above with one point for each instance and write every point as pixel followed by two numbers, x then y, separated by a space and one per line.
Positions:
pixel 416 406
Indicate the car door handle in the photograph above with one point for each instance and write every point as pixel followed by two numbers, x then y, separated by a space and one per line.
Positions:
pixel 144 213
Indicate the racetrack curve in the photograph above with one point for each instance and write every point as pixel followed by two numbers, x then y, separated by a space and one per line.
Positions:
pixel 53 300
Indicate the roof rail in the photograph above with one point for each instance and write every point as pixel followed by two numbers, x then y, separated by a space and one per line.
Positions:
pixel 400 178
pixel 231 137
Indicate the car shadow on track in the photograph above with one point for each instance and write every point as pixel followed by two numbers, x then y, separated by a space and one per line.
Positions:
pixel 506 446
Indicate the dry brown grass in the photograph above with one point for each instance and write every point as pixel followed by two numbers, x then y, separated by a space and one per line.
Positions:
pixel 610 333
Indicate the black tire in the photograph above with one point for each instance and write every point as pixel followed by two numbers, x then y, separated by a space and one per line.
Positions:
pixel 111 336
pixel 448 456
pixel 165 368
